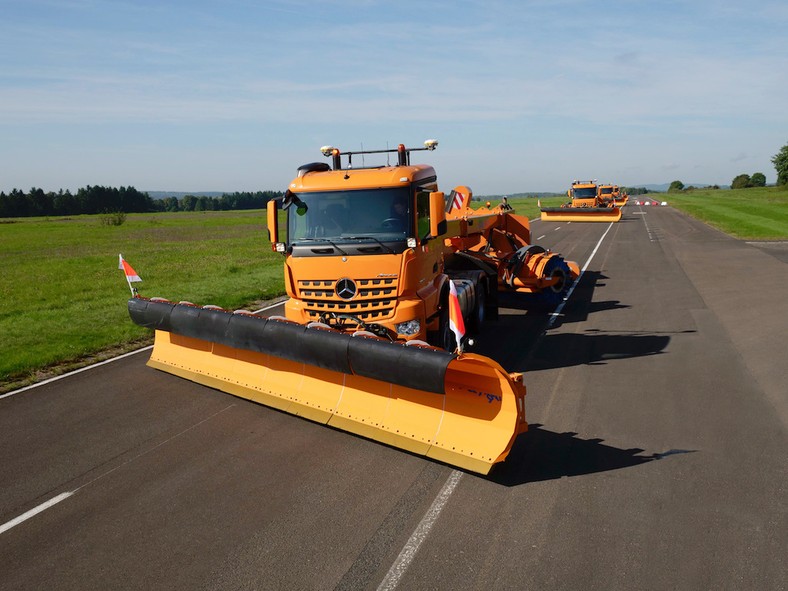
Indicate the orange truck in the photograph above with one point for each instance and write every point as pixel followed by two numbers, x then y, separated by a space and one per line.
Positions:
pixel 607 193
pixel 612 194
pixel 588 204
pixel 383 271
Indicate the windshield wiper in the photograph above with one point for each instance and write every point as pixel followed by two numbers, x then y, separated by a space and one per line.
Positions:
pixel 391 250
pixel 320 240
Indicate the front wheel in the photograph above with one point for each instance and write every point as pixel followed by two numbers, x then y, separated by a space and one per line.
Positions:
pixel 556 268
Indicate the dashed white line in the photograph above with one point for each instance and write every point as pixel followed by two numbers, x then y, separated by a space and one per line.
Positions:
pixel 557 312
pixel 63 496
pixel 651 237
pixel 408 552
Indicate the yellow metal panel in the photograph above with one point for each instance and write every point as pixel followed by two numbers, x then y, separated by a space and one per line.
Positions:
pixel 472 426
pixel 577 214
pixel 481 419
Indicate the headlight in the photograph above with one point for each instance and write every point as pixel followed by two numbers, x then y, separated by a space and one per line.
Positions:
pixel 408 328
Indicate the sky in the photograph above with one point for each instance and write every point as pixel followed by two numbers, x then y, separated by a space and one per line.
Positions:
pixel 523 96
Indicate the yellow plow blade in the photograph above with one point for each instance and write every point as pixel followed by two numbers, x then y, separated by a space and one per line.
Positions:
pixel 463 410
pixel 581 214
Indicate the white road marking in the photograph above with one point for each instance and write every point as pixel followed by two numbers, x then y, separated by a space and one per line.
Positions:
pixel 557 312
pixel 35 511
pixel 63 496
pixel 648 229
pixel 269 307
pixel 100 363
pixel 76 371
pixel 542 236
pixel 408 552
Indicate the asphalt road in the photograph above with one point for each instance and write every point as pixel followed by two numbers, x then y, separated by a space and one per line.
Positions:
pixel 656 459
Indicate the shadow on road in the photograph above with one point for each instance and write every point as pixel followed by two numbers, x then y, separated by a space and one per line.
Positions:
pixel 540 454
pixel 569 349
pixel 579 306
pixel 522 341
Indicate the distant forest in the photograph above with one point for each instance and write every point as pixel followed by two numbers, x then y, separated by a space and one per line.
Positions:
pixel 96 199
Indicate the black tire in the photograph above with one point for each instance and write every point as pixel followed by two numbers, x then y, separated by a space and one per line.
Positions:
pixel 554 295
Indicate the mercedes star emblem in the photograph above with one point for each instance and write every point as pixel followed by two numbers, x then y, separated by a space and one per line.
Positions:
pixel 346 289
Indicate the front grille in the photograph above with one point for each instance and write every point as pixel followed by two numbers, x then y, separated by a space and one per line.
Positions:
pixel 374 301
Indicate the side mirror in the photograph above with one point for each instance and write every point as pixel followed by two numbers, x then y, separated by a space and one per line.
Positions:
pixel 437 214
pixel 273 223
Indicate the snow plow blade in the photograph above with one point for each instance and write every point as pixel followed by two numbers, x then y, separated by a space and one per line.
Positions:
pixel 464 410
pixel 621 202
pixel 581 214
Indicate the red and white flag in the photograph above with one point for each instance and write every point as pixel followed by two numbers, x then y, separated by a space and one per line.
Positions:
pixel 131 274
pixel 456 323
pixel 458 200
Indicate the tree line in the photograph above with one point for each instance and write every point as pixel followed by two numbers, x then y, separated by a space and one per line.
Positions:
pixel 634 190
pixel 98 199
pixel 743 181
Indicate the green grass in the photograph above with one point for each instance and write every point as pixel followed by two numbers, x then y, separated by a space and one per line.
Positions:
pixel 758 213
pixel 529 207
pixel 62 296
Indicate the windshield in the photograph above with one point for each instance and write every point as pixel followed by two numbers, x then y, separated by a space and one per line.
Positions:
pixel 606 190
pixel 585 193
pixel 373 214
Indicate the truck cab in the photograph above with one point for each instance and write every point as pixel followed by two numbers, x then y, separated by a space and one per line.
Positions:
pixel 608 194
pixel 583 194
pixel 362 246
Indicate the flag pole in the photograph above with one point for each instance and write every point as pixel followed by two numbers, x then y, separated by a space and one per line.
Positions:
pixel 122 267
pixel 133 290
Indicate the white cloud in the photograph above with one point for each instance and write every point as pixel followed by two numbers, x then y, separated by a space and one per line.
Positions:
pixel 678 80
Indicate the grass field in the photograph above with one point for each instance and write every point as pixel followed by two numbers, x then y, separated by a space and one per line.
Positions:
pixel 759 213
pixel 63 298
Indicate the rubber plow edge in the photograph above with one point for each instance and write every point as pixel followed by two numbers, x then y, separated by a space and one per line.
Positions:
pixel 464 410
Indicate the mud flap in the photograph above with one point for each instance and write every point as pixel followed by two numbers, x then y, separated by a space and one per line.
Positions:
pixel 580 214
pixel 463 410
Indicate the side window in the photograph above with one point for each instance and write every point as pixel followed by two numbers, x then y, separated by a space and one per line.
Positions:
pixel 422 214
